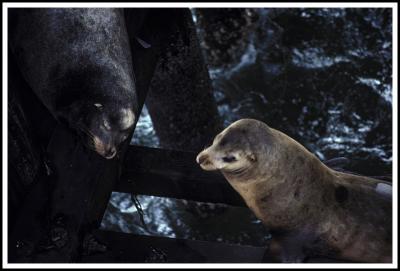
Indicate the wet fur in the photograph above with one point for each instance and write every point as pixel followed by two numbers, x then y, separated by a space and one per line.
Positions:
pixel 73 59
pixel 312 210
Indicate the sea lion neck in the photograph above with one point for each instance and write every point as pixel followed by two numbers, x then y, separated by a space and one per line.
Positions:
pixel 271 191
pixel 243 175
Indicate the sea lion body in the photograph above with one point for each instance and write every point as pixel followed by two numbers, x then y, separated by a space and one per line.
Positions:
pixel 78 63
pixel 312 209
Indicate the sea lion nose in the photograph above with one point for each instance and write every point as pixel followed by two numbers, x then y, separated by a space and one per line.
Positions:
pixel 110 153
pixel 201 158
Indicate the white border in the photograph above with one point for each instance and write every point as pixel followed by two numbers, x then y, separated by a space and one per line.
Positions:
pixel 395 131
pixel 202 5
pixel 5 136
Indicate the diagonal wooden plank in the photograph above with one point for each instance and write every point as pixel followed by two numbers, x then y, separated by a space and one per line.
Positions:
pixel 131 248
pixel 175 174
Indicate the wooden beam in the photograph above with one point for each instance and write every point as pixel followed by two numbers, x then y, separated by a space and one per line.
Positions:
pixel 174 174
pixel 131 248
pixel 28 183
pixel 180 100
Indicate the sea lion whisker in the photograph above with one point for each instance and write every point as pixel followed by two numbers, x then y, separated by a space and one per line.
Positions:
pixel 91 137
pixel 85 130
pixel 238 171
pixel 80 127
pixel 90 145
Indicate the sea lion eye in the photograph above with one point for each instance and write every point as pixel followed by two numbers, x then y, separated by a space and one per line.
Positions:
pixel 99 106
pixel 229 159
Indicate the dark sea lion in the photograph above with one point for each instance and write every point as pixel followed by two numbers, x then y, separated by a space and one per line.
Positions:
pixel 78 62
pixel 311 209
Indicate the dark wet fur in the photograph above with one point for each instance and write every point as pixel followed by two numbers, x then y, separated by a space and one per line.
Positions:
pixel 73 58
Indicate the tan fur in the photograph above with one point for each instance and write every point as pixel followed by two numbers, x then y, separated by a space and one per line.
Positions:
pixel 101 148
pixel 321 211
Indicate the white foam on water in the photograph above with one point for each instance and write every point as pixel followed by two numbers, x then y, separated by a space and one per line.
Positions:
pixel 315 58
pixel 384 90
pixel 145 134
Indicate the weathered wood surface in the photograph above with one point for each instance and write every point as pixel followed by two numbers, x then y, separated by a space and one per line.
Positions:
pixel 142 23
pixel 175 174
pixel 25 136
pixel 24 159
pixel 131 248
pixel 180 99
pixel 28 185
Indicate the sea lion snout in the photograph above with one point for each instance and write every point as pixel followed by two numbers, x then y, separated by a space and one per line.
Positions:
pixel 205 161
pixel 110 153
pixel 201 158
pixel 107 150
pixel 105 128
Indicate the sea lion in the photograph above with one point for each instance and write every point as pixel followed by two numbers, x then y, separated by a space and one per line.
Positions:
pixel 311 209
pixel 78 62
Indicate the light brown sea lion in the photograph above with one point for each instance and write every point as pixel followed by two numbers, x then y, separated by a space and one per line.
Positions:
pixel 311 210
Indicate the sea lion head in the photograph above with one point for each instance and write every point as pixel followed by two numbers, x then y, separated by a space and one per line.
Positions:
pixel 236 149
pixel 102 126
pixel 106 127
pixel 93 102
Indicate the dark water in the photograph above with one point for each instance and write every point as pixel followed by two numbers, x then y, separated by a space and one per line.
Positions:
pixel 322 76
